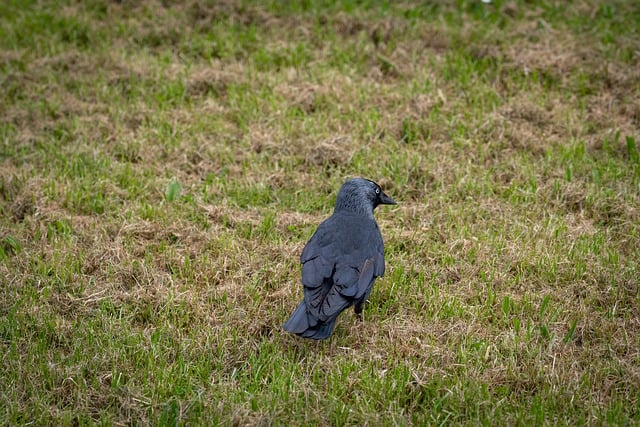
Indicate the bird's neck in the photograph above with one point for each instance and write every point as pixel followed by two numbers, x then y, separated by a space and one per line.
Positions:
pixel 354 208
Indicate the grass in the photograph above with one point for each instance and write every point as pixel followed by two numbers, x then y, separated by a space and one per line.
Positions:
pixel 163 164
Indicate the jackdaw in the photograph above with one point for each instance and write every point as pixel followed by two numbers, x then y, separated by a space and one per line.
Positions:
pixel 341 260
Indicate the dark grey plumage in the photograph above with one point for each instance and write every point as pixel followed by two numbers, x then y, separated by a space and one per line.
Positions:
pixel 341 260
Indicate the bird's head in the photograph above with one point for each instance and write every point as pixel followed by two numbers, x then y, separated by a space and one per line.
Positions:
pixel 361 196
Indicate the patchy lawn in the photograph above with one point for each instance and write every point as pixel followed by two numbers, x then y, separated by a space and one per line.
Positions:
pixel 162 165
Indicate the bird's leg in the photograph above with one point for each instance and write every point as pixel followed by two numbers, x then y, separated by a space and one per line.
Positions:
pixel 358 310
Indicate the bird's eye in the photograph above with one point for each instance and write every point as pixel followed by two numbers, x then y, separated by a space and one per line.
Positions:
pixel 377 191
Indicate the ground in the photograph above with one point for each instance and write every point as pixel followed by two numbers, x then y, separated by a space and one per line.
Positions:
pixel 162 165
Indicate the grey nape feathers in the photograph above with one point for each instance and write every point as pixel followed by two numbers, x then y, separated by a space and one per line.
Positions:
pixel 341 260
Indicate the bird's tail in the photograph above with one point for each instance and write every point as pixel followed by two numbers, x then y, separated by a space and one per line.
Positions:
pixel 298 324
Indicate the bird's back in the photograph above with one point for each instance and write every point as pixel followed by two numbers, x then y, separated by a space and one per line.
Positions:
pixel 344 238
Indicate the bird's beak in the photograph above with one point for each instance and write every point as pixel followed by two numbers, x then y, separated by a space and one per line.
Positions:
pixel 386 200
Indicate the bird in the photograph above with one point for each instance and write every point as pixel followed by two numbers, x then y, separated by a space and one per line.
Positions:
pixel 341 260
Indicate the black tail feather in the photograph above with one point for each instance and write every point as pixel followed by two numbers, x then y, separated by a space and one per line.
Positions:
pixel 321 331
pixel 298 324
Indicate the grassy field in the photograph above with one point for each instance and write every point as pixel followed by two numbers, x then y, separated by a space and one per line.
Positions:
pixel 162 165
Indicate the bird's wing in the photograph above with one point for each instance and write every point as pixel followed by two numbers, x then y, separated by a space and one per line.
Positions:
pixel 379 254
pixel 317 272
pixel 336 272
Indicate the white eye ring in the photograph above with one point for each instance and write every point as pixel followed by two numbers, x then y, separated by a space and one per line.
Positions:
pixel 377 191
